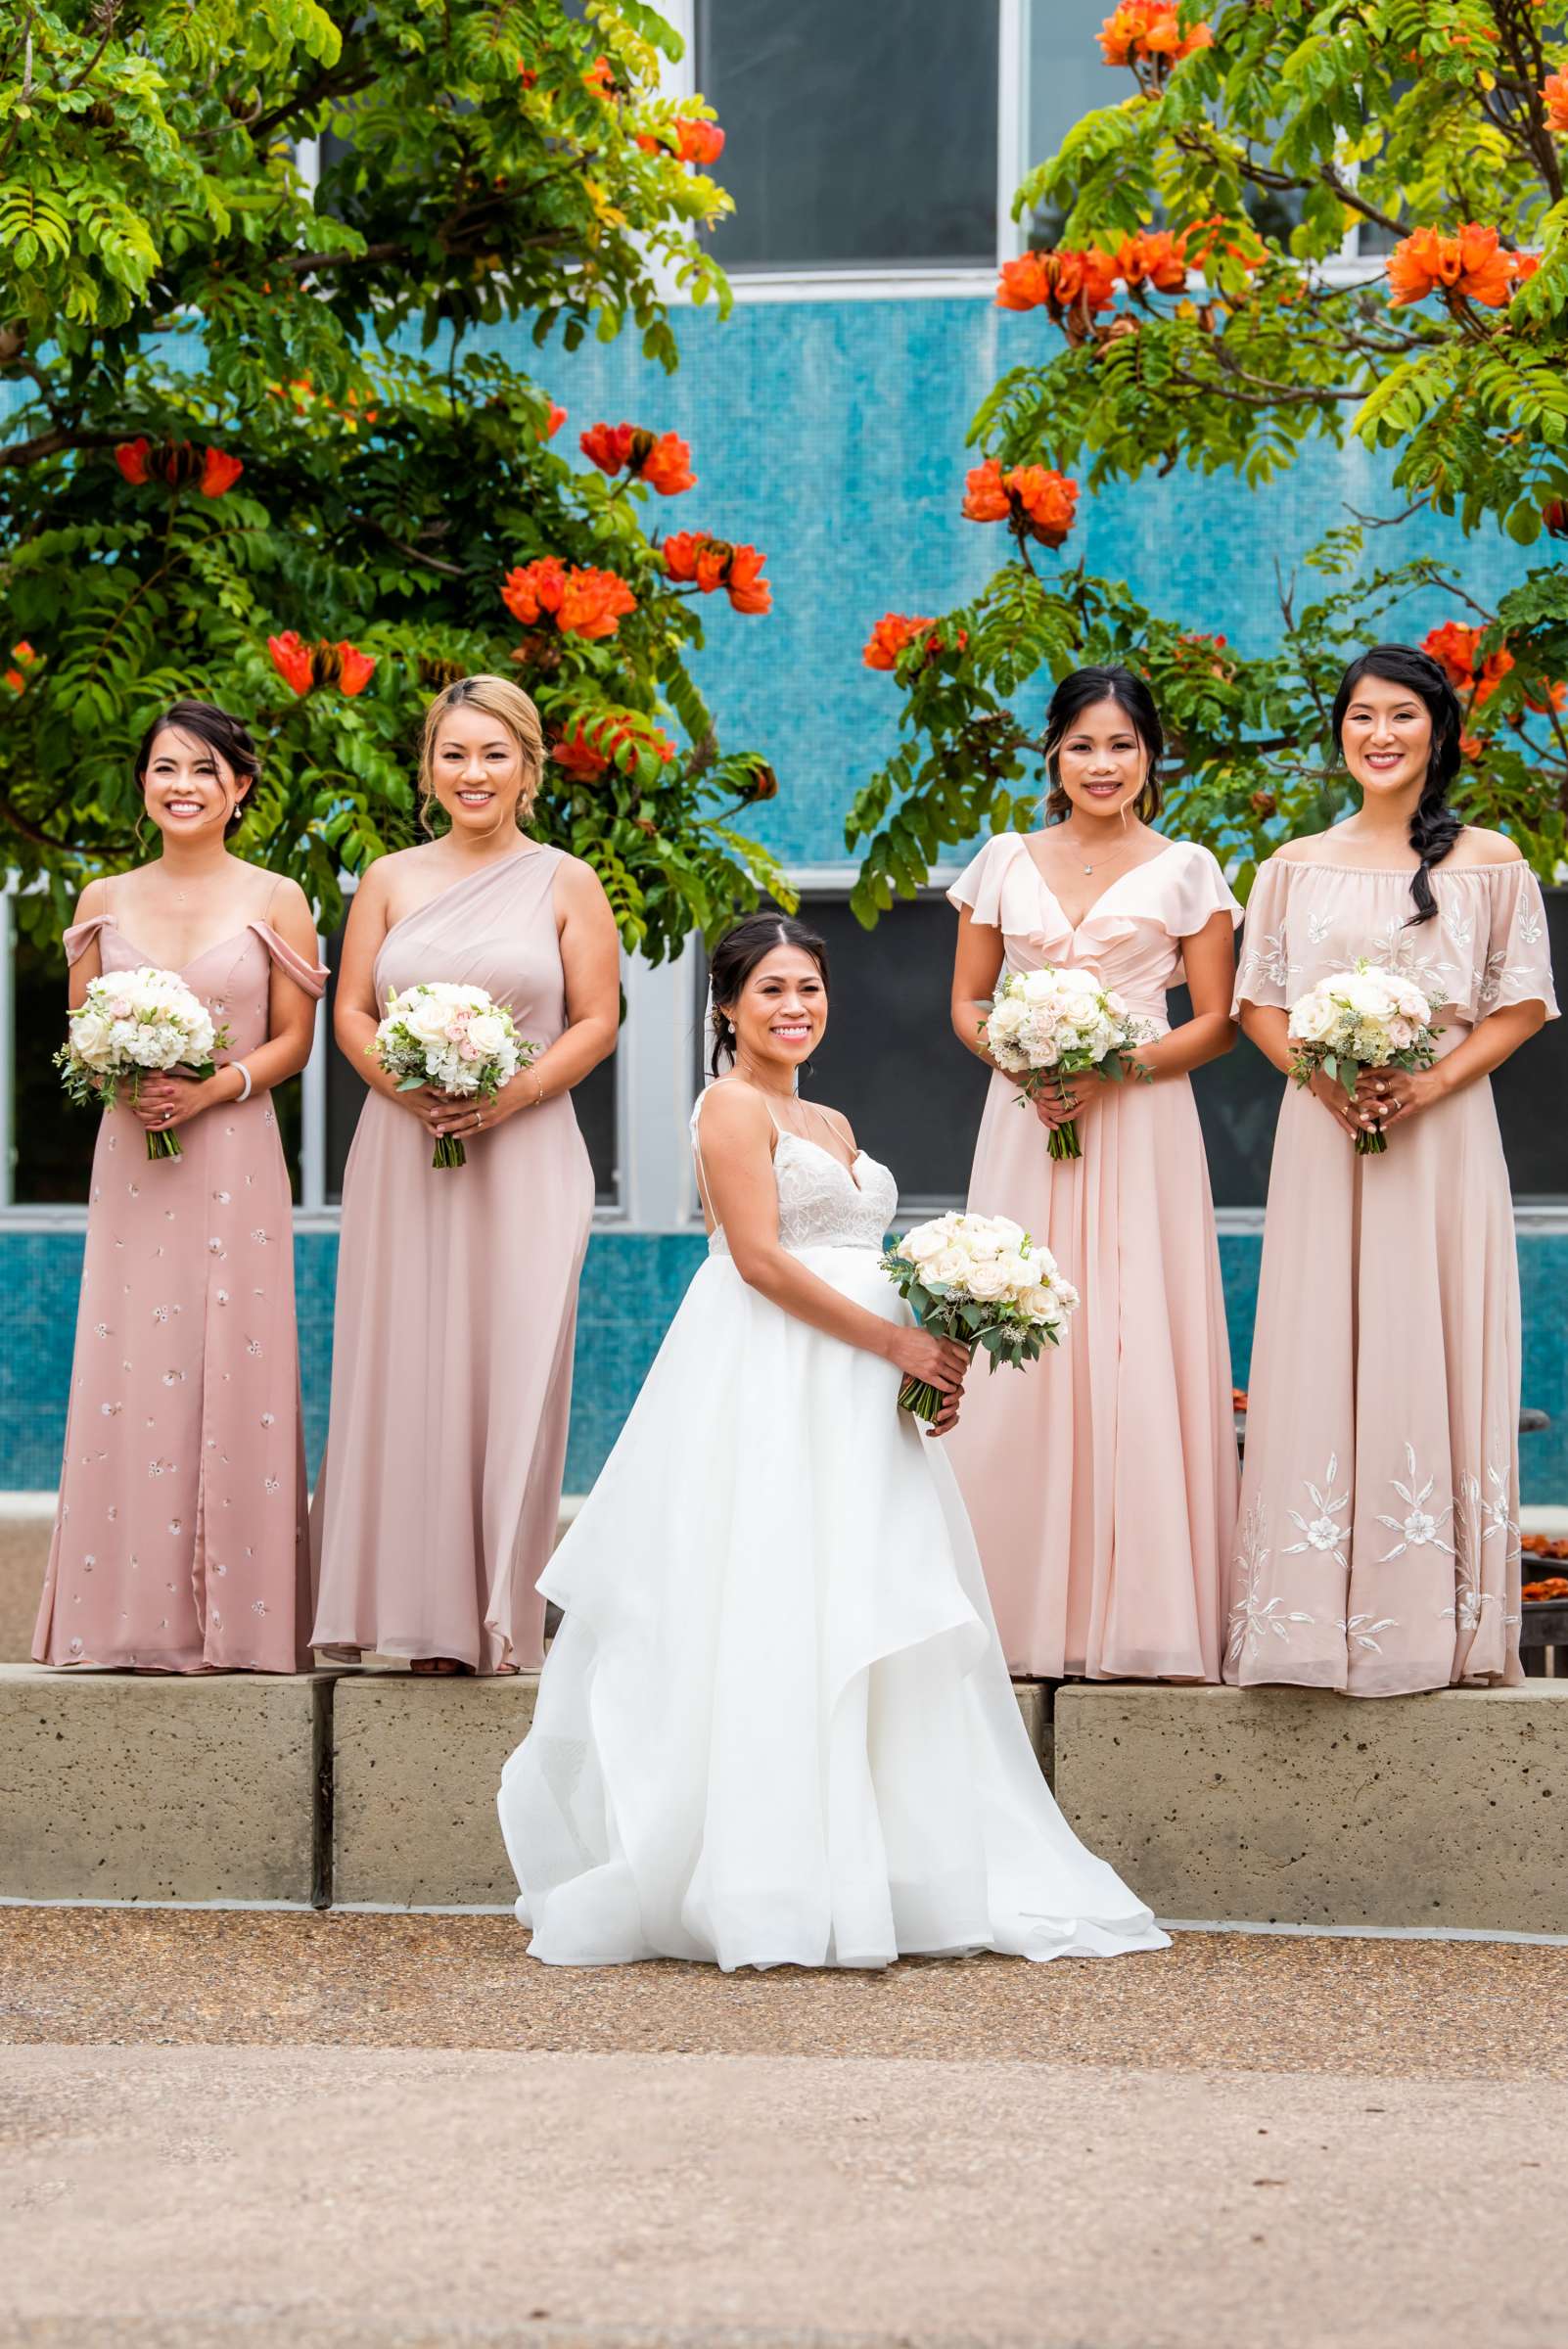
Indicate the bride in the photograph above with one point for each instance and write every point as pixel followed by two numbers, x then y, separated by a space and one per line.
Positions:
pixel 775 1727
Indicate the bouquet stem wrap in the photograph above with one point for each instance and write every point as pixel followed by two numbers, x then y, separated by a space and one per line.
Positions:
pixel 983 1282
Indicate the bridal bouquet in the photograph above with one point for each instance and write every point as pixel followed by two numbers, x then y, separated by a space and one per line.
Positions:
pixel 455 1038
pixel 1047 1024
pixel 982 1281
pixel 129 1024
pixel 1365 1018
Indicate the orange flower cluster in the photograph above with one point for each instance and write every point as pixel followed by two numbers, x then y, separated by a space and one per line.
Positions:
pixel 1193 649
pixel 25 658
pixel 553 421
pixel 661 459
pixel 176 462
pixel 581 601
pixel 1454 647
pixel 302 396
pixel 1059 281
pixel 696 141
pixel 1154 259
pixel 896 629
pixel 694 559
pixel 1470 265
pixel 1036 502
pixel 1149 29
pixel 600 79
pixel 302 666
pixel 590 745
pixel 1555 98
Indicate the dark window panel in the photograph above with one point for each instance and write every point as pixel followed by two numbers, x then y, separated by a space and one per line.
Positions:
pixel 856 137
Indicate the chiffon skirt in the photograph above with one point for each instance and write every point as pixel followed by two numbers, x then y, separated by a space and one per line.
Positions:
pixel 776 1726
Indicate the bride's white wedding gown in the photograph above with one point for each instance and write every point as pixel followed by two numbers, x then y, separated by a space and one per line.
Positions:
pixel 776 1728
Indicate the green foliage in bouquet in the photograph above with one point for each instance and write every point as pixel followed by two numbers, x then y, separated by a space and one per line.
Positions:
pixel 253 451
pixel 1191 306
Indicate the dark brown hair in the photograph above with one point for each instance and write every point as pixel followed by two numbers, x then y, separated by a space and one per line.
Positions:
pixel 738 953
pixel 1435 826
pixel 227 738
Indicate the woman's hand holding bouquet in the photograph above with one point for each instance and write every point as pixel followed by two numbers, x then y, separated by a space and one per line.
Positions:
pixel 454 1041
pixel 1358 1021
pixel 1048 1026
pixel 978 1280
pixel 131 1027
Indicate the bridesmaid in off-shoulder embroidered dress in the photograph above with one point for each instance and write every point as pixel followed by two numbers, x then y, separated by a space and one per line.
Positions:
pixel 1378 1544
pixel 179 1545
pixel 1103 1484
pixel 457 1288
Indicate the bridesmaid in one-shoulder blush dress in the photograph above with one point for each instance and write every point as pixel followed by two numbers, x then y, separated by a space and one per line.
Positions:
pixel 180 1539
pixel 457 1287
pixel 1102 1482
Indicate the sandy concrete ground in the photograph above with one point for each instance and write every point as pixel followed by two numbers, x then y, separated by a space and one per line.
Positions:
pixel 262 2130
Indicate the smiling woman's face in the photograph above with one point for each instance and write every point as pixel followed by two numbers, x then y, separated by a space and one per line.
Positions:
pixel 781 1012
pixel 478 771
pixel 189 788
pixel 1100 762
pixel 1387 739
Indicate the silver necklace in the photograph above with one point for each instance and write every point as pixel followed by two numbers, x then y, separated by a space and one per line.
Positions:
pixel 1089 868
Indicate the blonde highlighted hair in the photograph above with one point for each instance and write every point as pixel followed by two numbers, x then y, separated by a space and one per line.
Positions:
pixel 511 708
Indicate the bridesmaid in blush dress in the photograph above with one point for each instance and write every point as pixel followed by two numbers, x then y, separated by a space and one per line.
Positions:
pixel 457 1288
pixel 1378 1548
pixel 1102 1485
pixel 180 1539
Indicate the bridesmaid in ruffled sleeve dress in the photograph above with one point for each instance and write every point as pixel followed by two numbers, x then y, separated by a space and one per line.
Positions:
pixel 180 1544
pixel 1102 1485
pixel 1378 1546
pixel 458 1289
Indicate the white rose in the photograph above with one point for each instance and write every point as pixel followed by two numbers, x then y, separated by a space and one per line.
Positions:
pixel 924 1242
pixel 1016 1271
pixel 986 1280
pixel 1313 1020
pixel 950 1265
pixel 1038 1304
pixel 488 1033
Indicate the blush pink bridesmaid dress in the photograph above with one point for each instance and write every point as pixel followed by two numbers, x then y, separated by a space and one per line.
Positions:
pixel 1378 1544
pixel 457 1294
pixel 180 1542
pixel 1101 1482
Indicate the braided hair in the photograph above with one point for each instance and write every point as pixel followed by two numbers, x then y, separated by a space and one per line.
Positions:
pixel 1435 826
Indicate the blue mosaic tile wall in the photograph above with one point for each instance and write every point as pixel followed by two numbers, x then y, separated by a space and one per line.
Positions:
pixel 632 1287
pixel 831 434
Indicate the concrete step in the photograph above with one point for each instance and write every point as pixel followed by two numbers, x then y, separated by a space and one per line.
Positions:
pixel 151 1787
pixel 1294 1806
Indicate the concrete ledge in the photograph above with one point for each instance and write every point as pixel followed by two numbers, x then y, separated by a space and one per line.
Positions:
pixel 135 1787
pixel 27 1522
pixel 416 1761
pixel 1285 1806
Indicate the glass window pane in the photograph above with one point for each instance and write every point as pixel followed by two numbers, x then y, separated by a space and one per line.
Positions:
pixel 856 136
pixel 595 1100
pixel 1068 79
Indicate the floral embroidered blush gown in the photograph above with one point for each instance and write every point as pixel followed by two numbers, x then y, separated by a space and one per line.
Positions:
pixel 457 1297
pixel 1101 1483
pixel 180 1542
pixel 1378 1548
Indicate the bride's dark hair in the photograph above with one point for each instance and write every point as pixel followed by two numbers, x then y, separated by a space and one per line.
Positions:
pixel 738 953
pixel 1435 826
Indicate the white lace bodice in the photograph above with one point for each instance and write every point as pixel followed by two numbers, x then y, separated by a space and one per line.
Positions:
pixel 821 1202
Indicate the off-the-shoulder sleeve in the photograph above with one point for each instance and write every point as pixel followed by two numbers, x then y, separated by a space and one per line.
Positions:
pixel 1263 973
pixel 303 974
pixel 1199 891
pixel 79 937
pixel 1518 966
pixel 980 884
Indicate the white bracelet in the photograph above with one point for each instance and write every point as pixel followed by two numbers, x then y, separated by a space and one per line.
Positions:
pixel 246 1074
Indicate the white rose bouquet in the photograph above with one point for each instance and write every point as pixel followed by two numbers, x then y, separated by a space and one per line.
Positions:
pixel 1365 1018
pixel 128 1024
pixel 1047 1024
pixel 457 1040
pixel 981 1280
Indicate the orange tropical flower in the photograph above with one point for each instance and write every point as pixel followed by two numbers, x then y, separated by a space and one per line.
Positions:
pixel 1471 265
pixel 581 600
pixel 1555 98
pixel 219 472
pixel 578 754
pixel 661 459
pixel 356 669
pixel 1155 259
pixel 1148 28
pixel 25 657
pixel 591 745
pixel 131 458
pixel 553 421
pixel 1057 281
pixel 1525 265
pixel 893 631
pixel 697 140
pixel 291 658
pixel 607 445
pixel 1555 517
pixel 1037 502
pixel 1455 647
pixel 692 558
pixel 600 79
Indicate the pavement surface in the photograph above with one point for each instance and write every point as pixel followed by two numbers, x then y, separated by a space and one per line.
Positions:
pixel 258 2129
